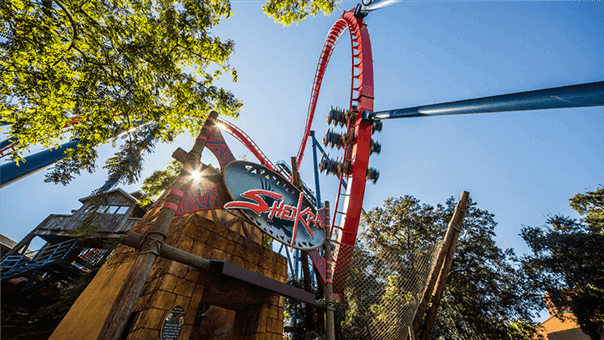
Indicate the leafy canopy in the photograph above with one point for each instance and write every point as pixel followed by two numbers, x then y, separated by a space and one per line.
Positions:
pixel 288 12
pixel 160 180
pixel 94 70
pixel 566 260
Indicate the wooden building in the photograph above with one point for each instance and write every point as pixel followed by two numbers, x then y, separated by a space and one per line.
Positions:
pixel 74 242
pixel 109 215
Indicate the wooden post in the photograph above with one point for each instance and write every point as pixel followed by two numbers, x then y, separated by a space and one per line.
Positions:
pixel 320 312
pixel 310 310
pixel 149 250
pixel 454 229
pixel 330 331
pixel 411 334
pixel 436 270
pixel 134 239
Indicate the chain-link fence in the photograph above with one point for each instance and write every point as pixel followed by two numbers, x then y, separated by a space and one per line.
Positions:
pixel 382 291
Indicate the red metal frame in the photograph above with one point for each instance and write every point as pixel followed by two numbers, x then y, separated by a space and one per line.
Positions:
pixel 5 151
pixel 249 143
pixel 357 152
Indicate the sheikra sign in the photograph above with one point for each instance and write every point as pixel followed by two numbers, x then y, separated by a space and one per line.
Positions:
pixel 274 204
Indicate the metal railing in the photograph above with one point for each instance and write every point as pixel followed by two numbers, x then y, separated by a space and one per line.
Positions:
pixel 18 265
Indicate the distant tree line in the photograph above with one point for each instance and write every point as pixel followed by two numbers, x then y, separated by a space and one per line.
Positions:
pixel 491 293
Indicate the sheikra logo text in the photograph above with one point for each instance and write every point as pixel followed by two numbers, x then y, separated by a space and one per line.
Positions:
pixel 279 210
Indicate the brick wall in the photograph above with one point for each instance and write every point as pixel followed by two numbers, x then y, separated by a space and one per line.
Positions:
pixel 258 314
pixel 217 234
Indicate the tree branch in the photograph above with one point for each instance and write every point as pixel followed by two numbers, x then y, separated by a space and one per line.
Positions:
pixel 73 26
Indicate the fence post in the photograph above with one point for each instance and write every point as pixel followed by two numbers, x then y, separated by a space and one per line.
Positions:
pixel 454 229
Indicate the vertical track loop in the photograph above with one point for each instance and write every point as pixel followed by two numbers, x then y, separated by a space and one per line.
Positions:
pixel 357 152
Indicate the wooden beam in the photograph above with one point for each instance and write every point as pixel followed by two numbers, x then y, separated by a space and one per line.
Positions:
pixel 454 229
pixel 134 239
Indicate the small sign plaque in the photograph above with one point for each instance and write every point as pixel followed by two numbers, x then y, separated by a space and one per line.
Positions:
pixel 279 209
pixel 172 324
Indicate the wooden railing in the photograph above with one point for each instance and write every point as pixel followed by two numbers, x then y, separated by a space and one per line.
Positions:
pixel 54 222
pixel 131 222
pixel 110 222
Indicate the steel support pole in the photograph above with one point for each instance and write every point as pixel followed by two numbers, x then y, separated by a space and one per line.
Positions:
pixel 310 309
pixel 329 316
pixel 129 293
pixel 296 264
pixel 316 166
pixel 582 95
pixel 11 172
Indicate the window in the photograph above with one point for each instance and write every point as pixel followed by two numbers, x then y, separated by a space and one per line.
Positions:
pixel 112 209
pixel 122 210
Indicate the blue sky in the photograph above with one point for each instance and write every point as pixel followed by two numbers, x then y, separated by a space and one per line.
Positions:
pixel 521 166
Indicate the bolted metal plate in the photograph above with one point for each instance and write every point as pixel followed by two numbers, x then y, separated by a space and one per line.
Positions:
pixel 274 204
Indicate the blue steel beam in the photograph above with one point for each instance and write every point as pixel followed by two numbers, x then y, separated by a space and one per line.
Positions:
pixel 10 172
pixel 296 262
pixel 316 166
pixel 582 95
pixel 6 143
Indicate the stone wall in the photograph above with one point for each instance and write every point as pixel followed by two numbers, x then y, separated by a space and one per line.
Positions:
pixel 254 313
pixel 173 284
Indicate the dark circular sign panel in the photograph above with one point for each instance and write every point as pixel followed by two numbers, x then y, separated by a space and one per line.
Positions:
pixel 279 209
pixel 172 324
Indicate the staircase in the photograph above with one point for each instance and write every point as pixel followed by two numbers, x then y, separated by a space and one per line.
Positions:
pixel 58 257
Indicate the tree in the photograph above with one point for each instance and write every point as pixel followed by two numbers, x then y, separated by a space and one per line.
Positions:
pixel 486 296
pixel 566 260
pixel 288 12
pixel 160 180
pixel 91 71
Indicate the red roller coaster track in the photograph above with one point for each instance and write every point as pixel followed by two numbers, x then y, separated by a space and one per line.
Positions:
pixel 356 152
pixel 249 143
pixel 227 127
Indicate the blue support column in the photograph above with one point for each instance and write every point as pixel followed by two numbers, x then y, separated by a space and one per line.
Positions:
pixel 316 165
pixel 582 95
pixel 34 163
pixel 6 143
pixel 296 262
pixel 289 260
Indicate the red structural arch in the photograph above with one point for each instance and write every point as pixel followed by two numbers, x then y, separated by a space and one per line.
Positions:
pixel 358 151
pixel 249 143
pixel 361 92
